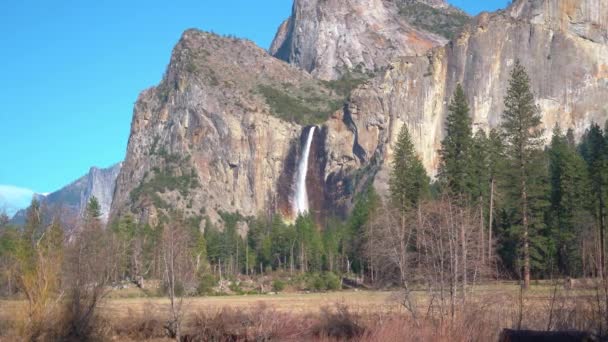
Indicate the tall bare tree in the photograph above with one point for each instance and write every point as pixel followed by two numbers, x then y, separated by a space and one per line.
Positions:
pixel 179 263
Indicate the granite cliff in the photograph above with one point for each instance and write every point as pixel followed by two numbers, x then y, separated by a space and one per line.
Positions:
pixel 561 43
pixel 224 130
pixel 329 38
pixel 69 203
pixel 220 133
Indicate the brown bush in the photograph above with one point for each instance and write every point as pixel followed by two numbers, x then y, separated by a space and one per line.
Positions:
pixel 147 325
pixel 339 323
pixel 259 323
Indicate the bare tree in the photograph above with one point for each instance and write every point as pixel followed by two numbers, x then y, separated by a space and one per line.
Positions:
pixel 87 273
pixel 430 249
pixel 39 256
pixel 179 269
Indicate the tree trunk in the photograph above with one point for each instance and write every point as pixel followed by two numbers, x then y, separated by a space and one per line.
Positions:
pixel 291 259
pixel 490 223
pixel 602 242
pixel 463 242
pixel 302 267
pixel 526 237
pixel 482 239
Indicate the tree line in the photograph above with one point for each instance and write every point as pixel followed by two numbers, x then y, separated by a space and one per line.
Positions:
pixel 531 209
pixel 503 204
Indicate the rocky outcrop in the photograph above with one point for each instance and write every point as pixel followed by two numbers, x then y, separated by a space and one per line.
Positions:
pixel 217 134
pixel 329 37
pixel 69 203
pixel 569 73
pixel 587 19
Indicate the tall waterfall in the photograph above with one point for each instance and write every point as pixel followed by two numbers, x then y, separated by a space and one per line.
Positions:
pixel 300 203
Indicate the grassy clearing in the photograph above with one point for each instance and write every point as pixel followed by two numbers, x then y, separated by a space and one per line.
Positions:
pixel 125 302
pixel 332 316
pixel 291 302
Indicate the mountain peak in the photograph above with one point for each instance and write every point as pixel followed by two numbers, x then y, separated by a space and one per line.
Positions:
pixel 70 201
pixel 329 38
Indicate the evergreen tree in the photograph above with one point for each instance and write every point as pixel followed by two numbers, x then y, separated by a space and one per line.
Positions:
pixel 309 244
pixel 479 167
pixel 213 239
pixel 495 151
pixel 594 151
pixel 365 204
pixel 408 182
pixel 282 237
pixel 93 210
pixel 569 189
pixel 479 186
pixel 521 122
pixel 258 238
pixel 456 147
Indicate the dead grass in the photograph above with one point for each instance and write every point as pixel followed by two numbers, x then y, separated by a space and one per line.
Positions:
pixel 361 316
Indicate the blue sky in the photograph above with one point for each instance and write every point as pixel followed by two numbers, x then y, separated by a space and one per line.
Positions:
pixel 71 71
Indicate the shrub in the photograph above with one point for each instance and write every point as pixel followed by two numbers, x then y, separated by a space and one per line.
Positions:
pixel 148 325
pixel 278 285
pixel 446 23
pixel 305 109
pixel 206 284
pixel 236 288
pixel 331 281
pixel 339 323
pixel 259 323
pixel 313 282
pixel 347 83
pixel 179 289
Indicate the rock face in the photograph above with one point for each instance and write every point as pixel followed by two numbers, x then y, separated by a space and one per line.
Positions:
pixel 568 70
pixel 70 201
pixel 329 37
pixel 223 131
pixel 220 133
pixel 434 3
pixel 587 19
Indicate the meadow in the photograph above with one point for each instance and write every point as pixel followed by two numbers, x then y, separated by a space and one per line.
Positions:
pixel 124 315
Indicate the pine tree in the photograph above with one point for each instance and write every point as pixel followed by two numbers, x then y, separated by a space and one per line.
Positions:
pixel 496 160
pixel 408 181
pixel 365 204
pixel 479 182
pixel 309 244
pixel 93 210
pixel 569 186
pixel 521 122
pixel 282 237
pixel 594 150
pixel 456 147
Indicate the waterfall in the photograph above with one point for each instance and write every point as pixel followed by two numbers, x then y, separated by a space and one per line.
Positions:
pixel 300 203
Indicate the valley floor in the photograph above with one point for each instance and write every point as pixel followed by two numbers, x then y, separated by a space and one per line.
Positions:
pixel 302 316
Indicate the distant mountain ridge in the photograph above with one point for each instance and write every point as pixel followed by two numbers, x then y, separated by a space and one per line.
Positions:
pixel 70 201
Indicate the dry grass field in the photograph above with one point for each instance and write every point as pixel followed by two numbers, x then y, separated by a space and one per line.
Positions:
pixel 306 316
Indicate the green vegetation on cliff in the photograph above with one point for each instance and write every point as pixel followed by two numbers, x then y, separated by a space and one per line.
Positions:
pixel 444 22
